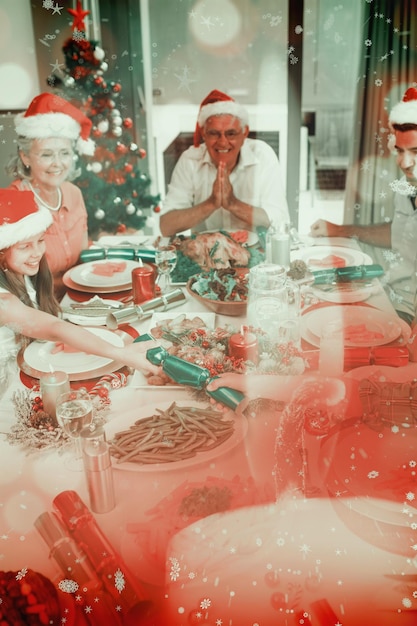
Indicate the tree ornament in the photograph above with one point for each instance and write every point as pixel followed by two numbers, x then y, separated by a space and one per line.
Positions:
pixel 117 120
pixel 103 126
pixel 121 148
pixel 96 167
pixel 117 200
pixel 157 209
pixel 78 15
pixel 121 229
pixel 99 53
pixel 133 147
pixel 130 209
pixel 142 153
pixel 128 167
pixel 99 214
pixel 117 131
pixel 139 212
pixel 104 66
pixel 98 80
pixel 127 122
pixel 116 88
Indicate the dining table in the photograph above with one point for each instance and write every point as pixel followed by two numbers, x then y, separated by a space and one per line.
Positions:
pixel 301 517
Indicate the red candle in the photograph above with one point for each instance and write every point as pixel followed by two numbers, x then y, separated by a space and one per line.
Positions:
pixel 244 345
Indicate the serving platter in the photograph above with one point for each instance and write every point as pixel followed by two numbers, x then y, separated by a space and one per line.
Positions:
pixel 128 418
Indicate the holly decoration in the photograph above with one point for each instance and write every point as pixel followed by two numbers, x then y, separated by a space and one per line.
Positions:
pixel 116 192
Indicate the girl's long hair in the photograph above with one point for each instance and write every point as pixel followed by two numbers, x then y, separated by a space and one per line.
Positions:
pixel 43 285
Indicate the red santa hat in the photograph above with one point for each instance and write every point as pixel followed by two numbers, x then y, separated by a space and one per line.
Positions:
pixel 20 217
pixel 49 115
pixel 218 103
pixel 405 112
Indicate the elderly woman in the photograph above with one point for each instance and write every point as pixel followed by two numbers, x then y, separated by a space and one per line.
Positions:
pixel 49 133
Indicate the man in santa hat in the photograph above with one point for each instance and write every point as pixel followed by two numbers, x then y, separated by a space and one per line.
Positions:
pixel 226 180
pixel 401 233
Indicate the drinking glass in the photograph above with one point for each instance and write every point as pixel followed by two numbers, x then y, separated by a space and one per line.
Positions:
pixel 74 411
pixel 165 260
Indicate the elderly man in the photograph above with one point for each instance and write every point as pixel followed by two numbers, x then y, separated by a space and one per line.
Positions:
pixel 228 182
pixel 401 233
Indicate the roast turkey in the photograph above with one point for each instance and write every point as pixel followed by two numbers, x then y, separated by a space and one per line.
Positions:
pixel 215 250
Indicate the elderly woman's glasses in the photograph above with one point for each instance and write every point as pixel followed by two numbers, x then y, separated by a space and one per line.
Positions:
pixel 48 157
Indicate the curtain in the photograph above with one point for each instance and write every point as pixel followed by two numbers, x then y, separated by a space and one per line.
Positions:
pixel 387 69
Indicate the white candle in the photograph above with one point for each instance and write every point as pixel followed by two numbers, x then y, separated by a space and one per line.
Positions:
pixel 52 385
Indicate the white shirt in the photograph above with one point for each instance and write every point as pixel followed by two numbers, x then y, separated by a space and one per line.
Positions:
pixel 256 180
pixel 400 275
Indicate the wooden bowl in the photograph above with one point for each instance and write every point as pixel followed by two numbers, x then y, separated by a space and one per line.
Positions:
pixel 221 307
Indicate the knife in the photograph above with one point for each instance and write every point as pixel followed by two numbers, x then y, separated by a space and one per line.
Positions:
pixel 345 274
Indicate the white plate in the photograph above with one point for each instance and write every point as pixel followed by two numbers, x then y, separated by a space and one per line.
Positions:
pixel 124 421
pixel 38 355
pixel 84 274
pixel 386 325
pixel 315 254
pixel 343 293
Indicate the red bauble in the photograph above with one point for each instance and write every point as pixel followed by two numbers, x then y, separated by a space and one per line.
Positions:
pixel 128 122
pixel 121 229
pixel 98 80
pixel 134 194
pixel 116 87
pixel 121 148
pixel 128 167
pixel 96 132
pixel 157 209
pixel 142 153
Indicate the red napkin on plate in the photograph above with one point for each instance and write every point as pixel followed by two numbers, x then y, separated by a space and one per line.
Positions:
pixel 109 268
pixel 331 260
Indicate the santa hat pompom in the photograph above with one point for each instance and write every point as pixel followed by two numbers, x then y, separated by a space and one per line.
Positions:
pixel 218 103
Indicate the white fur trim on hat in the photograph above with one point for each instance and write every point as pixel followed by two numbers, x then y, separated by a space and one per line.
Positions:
pixel 223 107
pixel 47 125
pixel 404 113
pixel 29 226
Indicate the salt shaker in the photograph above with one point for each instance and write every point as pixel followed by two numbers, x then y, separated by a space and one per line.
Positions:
pixel 98 469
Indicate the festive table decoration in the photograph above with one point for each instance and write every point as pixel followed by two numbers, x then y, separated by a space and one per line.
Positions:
pixel 211 349
pixel 37 430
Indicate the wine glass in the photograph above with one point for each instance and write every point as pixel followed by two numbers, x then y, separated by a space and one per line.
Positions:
pixel 165 260
pixel 74 411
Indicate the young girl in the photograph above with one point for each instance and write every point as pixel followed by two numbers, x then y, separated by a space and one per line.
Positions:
pixel 28 308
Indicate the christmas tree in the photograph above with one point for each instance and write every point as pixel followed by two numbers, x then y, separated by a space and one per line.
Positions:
pixel 116 192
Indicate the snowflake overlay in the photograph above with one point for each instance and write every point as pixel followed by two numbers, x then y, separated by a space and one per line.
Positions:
pixel 68 586
pixel 119 581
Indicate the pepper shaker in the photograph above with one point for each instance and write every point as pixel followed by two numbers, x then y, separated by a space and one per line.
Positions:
pixel 98 469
